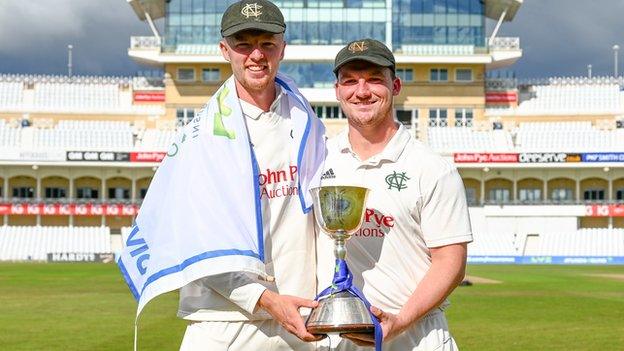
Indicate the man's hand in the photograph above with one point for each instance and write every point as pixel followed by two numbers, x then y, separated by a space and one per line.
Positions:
pixel 285 310
pixel 391 325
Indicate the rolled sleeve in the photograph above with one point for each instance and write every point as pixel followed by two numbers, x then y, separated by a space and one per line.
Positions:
pixel 240 288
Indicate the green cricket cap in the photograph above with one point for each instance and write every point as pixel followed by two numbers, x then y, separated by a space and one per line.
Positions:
pixel 369 50
pixel 252 14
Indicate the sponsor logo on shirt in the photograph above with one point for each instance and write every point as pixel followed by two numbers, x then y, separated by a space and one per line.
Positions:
pixel 329 174
pixel 278 183
pixel 397 181
pixel 375 224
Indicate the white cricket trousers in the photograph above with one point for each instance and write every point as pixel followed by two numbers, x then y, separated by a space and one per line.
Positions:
pixel 431 333
pixel 263 335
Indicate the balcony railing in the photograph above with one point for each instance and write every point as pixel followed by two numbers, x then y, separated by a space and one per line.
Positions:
pixel 145 42
pixel 436 50
pixel 504 43
pixel 498 43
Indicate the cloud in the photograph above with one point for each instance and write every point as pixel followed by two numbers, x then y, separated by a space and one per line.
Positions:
pixel 561 37
pixel 25 22
pixel 558 37
pixel 34 36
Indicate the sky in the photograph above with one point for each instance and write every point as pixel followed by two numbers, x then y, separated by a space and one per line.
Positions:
pixel 558 37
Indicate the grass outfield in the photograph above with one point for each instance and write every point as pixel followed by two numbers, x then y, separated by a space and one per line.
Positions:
pixel 88 307
pixel 540 308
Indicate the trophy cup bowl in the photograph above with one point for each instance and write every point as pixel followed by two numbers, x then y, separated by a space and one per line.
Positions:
pixel 339 211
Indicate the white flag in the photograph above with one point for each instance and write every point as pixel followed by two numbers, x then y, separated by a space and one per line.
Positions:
pixel 202 213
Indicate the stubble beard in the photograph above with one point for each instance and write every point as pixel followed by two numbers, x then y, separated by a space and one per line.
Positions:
pixel 255 85
pixel 371 120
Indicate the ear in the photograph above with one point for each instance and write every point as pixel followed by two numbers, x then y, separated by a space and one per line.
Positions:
pixel 225 49
pixel 283 50
pixel 396 86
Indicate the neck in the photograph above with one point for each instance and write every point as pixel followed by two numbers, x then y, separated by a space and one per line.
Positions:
pixel 262 98
pixel 368 141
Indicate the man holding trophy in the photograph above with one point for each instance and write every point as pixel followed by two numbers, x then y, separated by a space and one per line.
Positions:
pixel 237 310
pixel 410 252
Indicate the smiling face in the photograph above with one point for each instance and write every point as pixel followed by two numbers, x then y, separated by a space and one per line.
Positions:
pixel 254 57
pixel 365 92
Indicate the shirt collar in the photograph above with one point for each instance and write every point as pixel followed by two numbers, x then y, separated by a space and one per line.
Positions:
pixel 254 112
pixel 391 152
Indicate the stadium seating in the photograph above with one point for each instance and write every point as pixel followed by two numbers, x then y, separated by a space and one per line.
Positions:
pixel 33 243
pixel 583 242
pixel 528 137
pixel 77 94
pixel 448 139
pixel 565 96
pixel 119 136
pixel 10 137
pixel 10 94
pixel 574 99
pixel 28 243
pixel 86 135
pixel 567 136
pixel 155 140
pixel 95 95
pixel 68 96
pixel 498 244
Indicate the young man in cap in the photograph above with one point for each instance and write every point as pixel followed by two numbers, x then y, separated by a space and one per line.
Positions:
pixel 237 311
pixel 410 252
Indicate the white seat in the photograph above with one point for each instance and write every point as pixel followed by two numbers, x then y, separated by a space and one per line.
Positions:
pixel 20 243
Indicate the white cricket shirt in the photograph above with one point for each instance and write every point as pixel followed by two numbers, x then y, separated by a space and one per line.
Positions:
pixel 416 201
pixel 289 244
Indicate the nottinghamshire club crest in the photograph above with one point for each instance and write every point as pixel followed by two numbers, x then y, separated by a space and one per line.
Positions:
pixel 397 181
pixel 251 10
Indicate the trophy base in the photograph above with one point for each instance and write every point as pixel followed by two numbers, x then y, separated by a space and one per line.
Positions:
pixel 347 328
pixel 340 313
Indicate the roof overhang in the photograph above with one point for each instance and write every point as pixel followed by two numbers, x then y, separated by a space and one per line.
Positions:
pixel 494 9
pixel 325 54
pixel 503 58
pixel 155 8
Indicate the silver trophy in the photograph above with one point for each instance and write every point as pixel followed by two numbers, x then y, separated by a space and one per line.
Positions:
pixel 339 211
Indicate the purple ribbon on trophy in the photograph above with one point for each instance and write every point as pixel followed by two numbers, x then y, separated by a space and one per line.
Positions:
pixel 343 281
pixel 342 309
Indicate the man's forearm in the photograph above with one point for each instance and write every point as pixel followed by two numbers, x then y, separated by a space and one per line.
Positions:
pixel 446 272
pixel 285 310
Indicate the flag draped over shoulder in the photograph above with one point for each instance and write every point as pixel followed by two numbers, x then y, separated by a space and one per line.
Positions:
pixel 202 214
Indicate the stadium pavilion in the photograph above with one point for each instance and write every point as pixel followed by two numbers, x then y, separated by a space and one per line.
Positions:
pixel 542 161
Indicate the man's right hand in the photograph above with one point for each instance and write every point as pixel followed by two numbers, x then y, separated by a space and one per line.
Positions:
pixel 285 310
